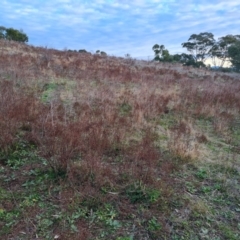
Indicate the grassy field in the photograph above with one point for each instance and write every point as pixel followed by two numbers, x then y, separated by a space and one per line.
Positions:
pixel 100 147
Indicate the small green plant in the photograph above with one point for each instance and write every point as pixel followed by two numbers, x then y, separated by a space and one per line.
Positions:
pixel 124 238
pixel 30 201
pixel 167 120
pixel 49 90
pixel 206 189
pixel 153 195
pixel 138 193
pixel 191 187
pixel 10 218
pixel 44 227
pixel 228 233
pixel 125 108
pixel 19 154
pixel 107 216
pixel 154 225
pixel 201 174
pixel 71 222
pixel 77 214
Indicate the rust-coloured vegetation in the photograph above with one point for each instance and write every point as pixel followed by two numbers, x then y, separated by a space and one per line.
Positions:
pixel 104 142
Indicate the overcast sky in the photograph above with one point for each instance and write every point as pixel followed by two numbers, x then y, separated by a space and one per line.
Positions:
pixel 119 27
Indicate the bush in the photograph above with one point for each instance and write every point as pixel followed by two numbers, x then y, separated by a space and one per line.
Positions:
pixel 13 34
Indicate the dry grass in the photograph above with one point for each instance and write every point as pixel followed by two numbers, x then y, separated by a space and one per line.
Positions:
pixel 115 126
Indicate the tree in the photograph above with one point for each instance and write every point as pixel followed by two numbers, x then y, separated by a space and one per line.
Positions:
pixel 176 57
pixel 166 56
pixel 200 45
pixel 158 50
pixel 82 51
pixel 2 32
pixel 15 35
pixel 102 53
pixel 220 48
pixel 234 55
pixel 188 60
pixel 161 54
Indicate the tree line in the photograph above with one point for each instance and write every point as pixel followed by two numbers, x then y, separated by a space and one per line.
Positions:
pixel 202 46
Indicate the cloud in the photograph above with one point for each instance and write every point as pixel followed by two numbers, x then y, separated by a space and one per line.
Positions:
pixel 119 26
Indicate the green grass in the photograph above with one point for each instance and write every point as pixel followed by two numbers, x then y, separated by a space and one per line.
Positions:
pixel 208 207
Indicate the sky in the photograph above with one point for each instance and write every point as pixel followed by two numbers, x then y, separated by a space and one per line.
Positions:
pixel 119 27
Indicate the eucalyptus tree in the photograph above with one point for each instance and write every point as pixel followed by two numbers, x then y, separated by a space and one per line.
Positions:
pixel 234 55
pixel 161 54
pixel 200 45
pixel 220 49
pixel 158 51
